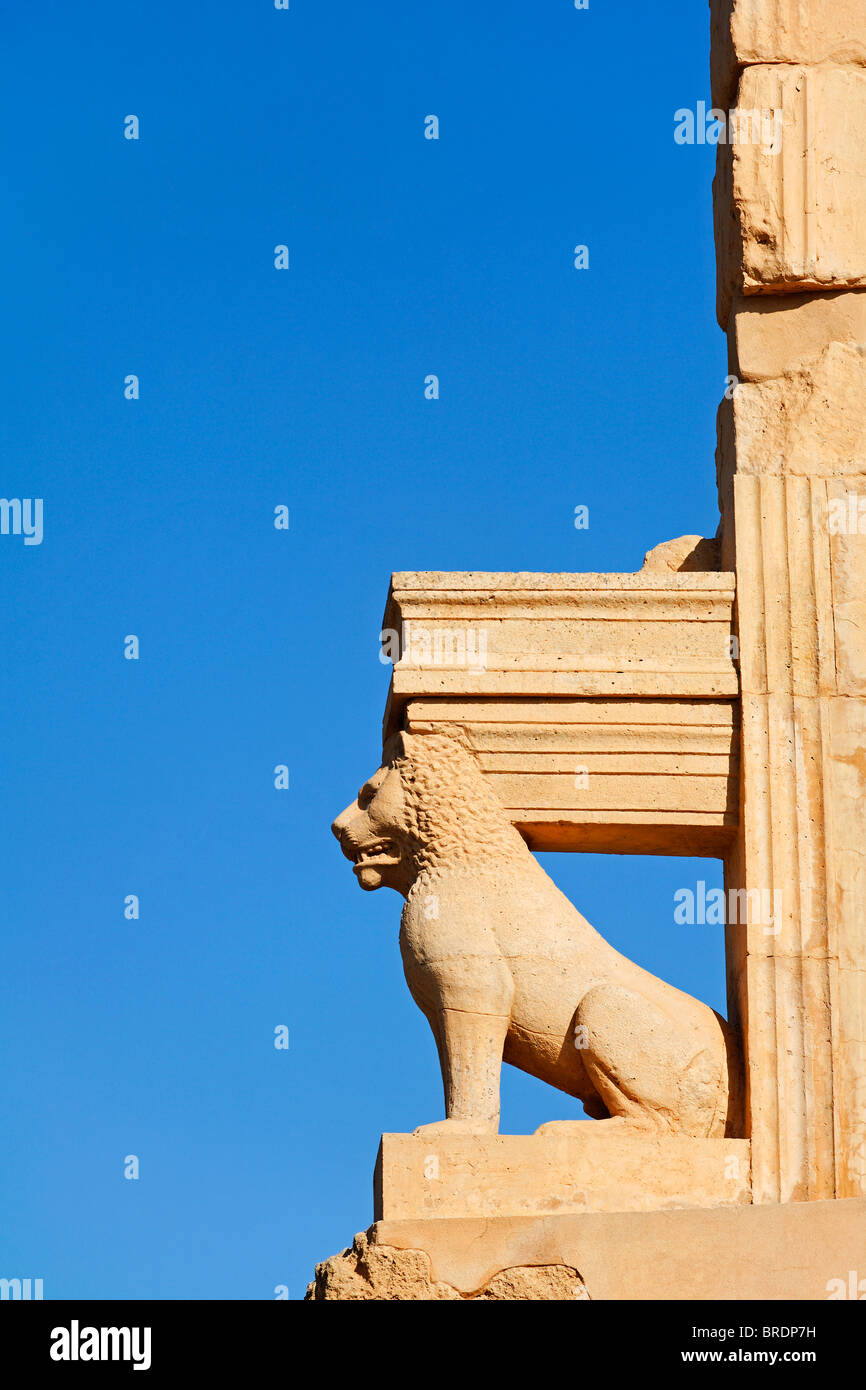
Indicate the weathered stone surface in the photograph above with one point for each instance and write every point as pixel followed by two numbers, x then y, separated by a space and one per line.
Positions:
pixel 791 219
pixel 563 1168
pixel 684 555
pixel 536 1283
pixel 799 1250
pixel 783 333
pixel 810 421
pixel 370 1271
pixel 782 31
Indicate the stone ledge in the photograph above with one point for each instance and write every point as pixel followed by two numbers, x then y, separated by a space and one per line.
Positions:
pixel 655 633
pixel 800 1250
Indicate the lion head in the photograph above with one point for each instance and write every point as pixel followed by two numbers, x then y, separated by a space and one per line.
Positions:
pixel 428 806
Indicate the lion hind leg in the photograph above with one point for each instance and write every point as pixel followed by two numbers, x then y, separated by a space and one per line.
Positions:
pixel 642 1065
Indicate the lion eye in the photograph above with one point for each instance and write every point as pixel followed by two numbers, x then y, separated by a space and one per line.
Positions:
pixel 365 796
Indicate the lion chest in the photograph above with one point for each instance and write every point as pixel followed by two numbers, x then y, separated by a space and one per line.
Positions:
pixel 452 960
pixel 512 945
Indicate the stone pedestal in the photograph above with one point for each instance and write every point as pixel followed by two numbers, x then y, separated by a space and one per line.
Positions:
pixel 801 1251
pixel 589 1215
pixel 584 1169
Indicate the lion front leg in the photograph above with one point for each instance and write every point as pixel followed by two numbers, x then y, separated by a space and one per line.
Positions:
pixel 470 1054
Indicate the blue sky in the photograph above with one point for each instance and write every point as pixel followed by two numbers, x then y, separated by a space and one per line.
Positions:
pixel 304 387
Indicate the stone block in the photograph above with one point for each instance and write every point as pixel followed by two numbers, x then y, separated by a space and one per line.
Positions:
pixel 583 1167
pixel 655 632
pixel 771 335
pixel 810 421
pixel 746 32
pixel 790 211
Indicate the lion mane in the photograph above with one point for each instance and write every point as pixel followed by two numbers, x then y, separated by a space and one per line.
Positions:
pixel 453 816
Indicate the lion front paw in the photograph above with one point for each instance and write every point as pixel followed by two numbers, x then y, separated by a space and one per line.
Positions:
pixel 441 1129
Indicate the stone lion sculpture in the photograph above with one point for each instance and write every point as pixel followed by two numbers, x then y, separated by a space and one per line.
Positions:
pixel 505 968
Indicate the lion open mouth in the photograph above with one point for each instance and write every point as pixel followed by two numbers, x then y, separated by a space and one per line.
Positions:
pixel 378 854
